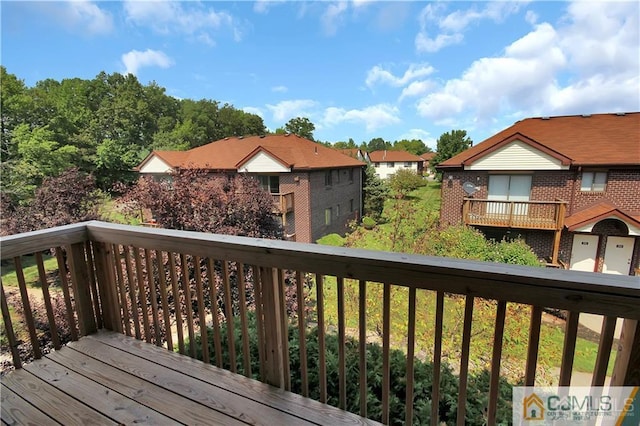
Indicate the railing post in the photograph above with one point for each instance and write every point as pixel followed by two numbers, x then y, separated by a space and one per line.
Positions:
pixel 465 211
pixel 81 291
pixel 272 312
pixel 626 370
pixel 560 211
pixel 107 287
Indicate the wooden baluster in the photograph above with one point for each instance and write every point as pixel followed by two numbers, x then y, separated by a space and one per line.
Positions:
pixel 64 283
pixel 285 331
pixel 204 340
pixel 164 300
pixel 123 294
pixel 246 353
pixel 132 293
pixel 494 381
pixel 188 300
pixel 228 311
pixel 362 329
pixel 177 302
pixel 28 314
pixel 569 348
pixel 386 340
pixel 153 295
pixel 532 350
pixel 322 361
pixel 142 295
pixel 213 295
pixel 97 311
pixel 257 291
pixel 437 357
pixel 81 289
pixel 626 370
pixel 8 327
pixel 342 379
pixel 604 351
pixel 302 333
pixel 464 361
pixel 411 338
pixel 42 275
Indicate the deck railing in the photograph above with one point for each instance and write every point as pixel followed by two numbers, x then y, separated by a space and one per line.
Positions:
pixel 514 214
pixel 161 285
pixel 283 202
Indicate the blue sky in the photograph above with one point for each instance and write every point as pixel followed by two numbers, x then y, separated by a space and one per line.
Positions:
pixel 358 69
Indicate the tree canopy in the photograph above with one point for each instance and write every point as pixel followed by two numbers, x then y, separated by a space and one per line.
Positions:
pixel 300 126
pixel 450 144
pixel 104 126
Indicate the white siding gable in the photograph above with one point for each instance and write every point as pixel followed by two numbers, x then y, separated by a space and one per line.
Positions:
pixel 155 165
pixel 517 156
pixel 263 163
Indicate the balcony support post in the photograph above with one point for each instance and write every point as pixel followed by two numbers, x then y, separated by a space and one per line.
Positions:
pixel 626 370
pixel 105 276
pixel 81 291
pixel 560 211
pixel 465 211
pixel 273 324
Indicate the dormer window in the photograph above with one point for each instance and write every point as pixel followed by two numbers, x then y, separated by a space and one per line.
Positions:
pixel 593 181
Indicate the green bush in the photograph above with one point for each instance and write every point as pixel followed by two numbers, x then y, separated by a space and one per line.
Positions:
pixel 332 240
pixel 515 252
pixel 368 222
pixel 477 391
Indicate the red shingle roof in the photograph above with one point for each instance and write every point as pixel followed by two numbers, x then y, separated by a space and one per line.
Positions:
pixel 226 154
pixel 596 213
pixel 395 156
pixel 599 139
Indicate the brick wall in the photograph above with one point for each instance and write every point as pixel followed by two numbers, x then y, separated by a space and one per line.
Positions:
pixel 622 189
pixel 298 221
pixel 339 194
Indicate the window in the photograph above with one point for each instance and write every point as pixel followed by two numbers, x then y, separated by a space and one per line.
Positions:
pixel 327 216
pixel 328 178
pixel 337 176
pixel 350 175
pixel 270 183
pixel 593 181
pixel 408 163
pixel 376 164
pixel 338 210
pixel 351 205
pixel 391 164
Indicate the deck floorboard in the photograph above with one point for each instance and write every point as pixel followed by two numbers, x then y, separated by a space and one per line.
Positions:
pixel 109 378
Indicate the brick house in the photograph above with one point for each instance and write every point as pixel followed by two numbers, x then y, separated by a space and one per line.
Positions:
pixel 387 163
pixel 569 185
pixel 316 190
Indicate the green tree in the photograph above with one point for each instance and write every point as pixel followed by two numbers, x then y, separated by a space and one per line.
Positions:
pixel 345 145
pixel 301 126
pixel 450 144
pixel 404 181
pixel 378 144
pixel 374 193
pixel 414 146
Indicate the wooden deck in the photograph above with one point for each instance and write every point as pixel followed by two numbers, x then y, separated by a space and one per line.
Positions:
pixel 108 378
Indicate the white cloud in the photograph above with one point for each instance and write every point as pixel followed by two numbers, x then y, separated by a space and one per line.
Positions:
pixel 421 134
pixel 189 18
pixel 453 25
pixel 135 60
pixel 531 17
pixel 285 110
pixel 378 74
pixel 279 89
pixel 373 117
pixel 333 17
pixel 587 63
pixel 80 16
pixel 417 88
pixel 253 110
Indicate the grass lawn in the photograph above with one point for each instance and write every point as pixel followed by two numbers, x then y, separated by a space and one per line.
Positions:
pixel 418 207
pixel 30 270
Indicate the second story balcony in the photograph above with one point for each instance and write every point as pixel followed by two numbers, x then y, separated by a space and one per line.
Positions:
pixel 545 215
pixel 283 203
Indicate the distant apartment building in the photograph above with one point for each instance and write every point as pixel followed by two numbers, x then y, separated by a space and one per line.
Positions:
pixel 569 185
pixel 387 163
pixel 316 190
